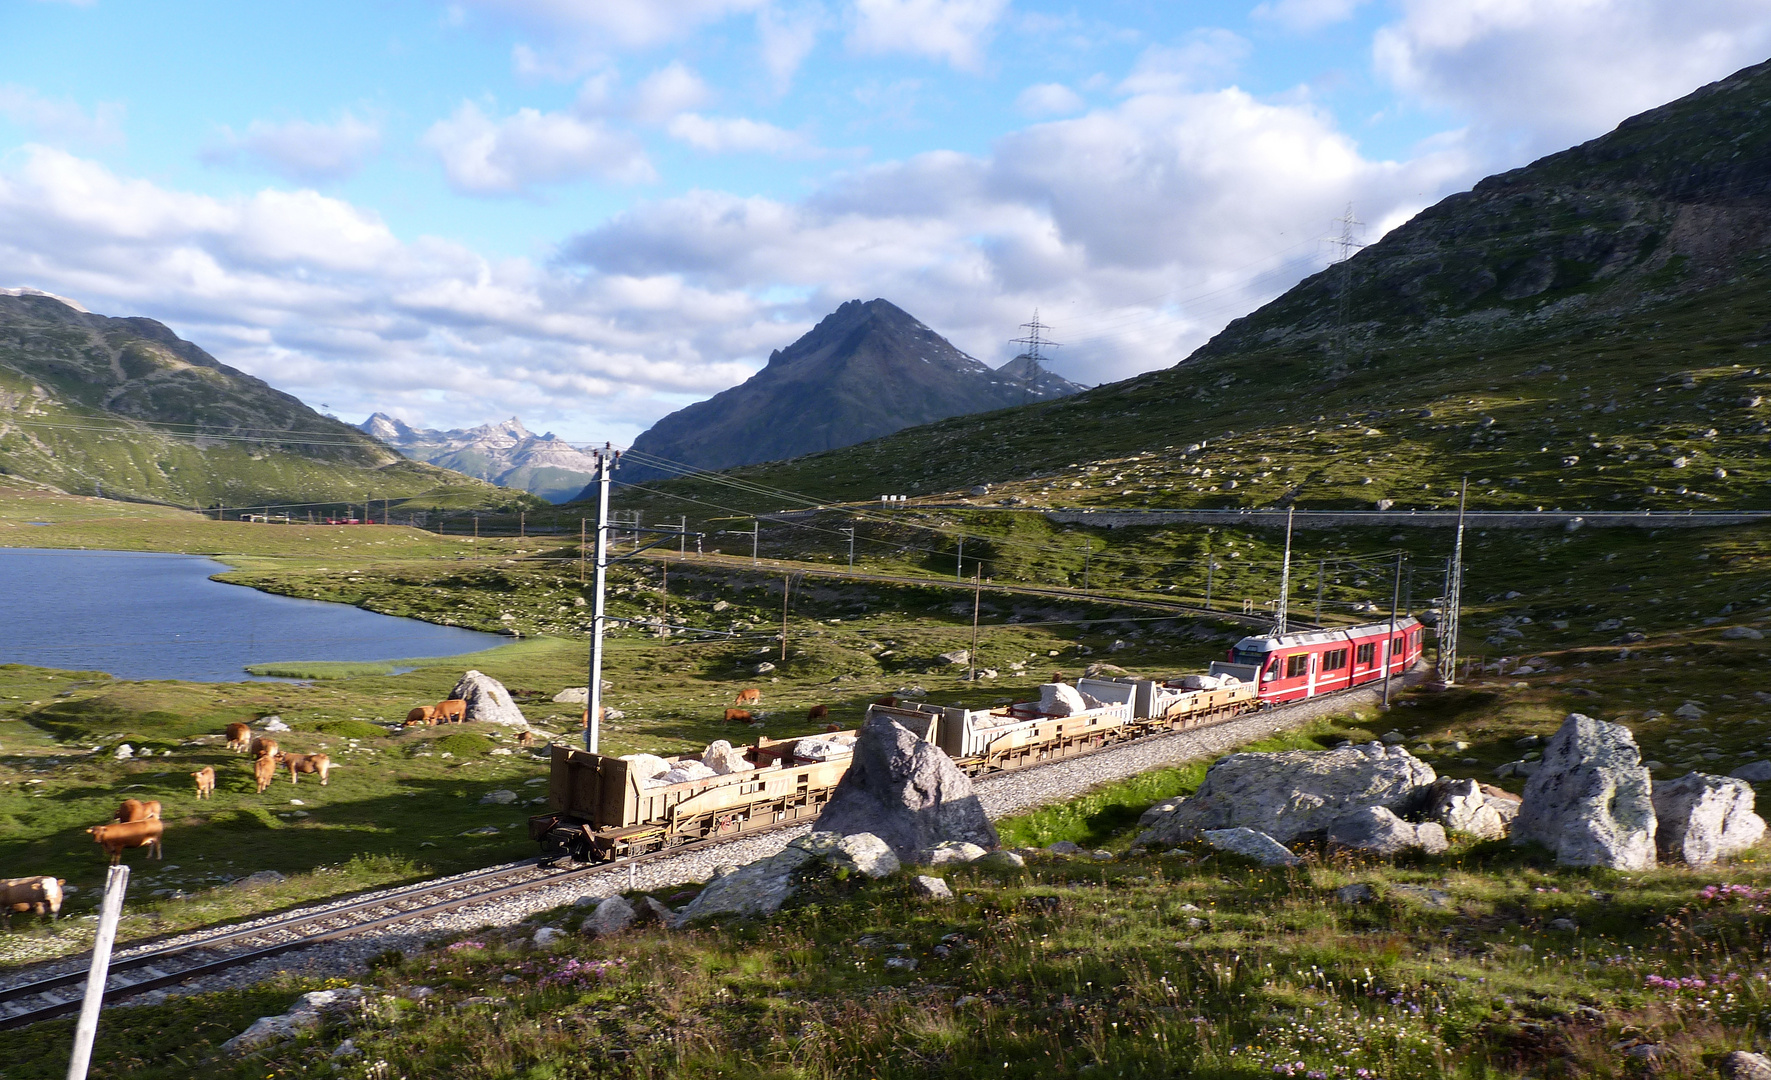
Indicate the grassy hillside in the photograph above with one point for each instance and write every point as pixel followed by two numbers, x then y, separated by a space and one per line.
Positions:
pixel 125 409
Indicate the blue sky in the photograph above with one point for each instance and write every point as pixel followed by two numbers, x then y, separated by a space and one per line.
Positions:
pixel 591 213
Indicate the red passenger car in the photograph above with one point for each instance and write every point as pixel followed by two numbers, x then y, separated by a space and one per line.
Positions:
pixel 1292 667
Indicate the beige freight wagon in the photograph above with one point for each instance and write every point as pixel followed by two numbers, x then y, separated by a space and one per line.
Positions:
pixel 601 809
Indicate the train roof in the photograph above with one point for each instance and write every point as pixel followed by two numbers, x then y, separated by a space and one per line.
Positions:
pixel 1271 643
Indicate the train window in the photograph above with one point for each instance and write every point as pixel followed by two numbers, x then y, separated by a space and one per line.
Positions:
pixel 1296 665
pixel 1366 653
pixel 1334 659
pixel 1272 669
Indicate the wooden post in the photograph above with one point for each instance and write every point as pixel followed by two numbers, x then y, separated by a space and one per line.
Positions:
pixel 116 881
pixel 977 599
pixel 786 589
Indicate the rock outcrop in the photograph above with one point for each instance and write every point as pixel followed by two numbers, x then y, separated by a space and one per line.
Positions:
pixel 304 1015
pixel 906 792
pixel 1468 806
pixel 1252 844
pixel 1377 830
pixel 764 885
pixel 1590 802
pixel 613 915
pixel 1296 793
pixel 487 700
pixel 1700 818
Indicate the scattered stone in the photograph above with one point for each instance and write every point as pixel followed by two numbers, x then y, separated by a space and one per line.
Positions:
pixel 1159 811
pixel 1356 893
pixel 1001 861
pixel 1527 742
pixel 498 798
pixel 763 668
pixel 863 853
pixel 270 723
pixel 1590 802
pixel 957 656
pixel 932 887
pixel 304 1015
pixel 1691 710
pixel 1744 1065
pixel 950 851
pixel 124 752
pixel 1469 807
pixel 1701 818
pixel 1647 1052
pixel 907 792
pixel 1564 925
pixel 1756 773
pixel 1378 830
pixel 1064 847
pixel 1742 633
pixel 613 915
pixel 546 936
pixel 573 695
pixel 585 901
pixel 900 963
pixel 1392 738
pixel 255 881
pixel 1438 898
pixel 488 701
pixel 483 830
pixel 1101 855
pixel 1252 844
pixel 651 909
pixel 1296 793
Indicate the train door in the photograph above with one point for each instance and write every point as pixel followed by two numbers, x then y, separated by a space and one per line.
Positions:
pixel 1310 689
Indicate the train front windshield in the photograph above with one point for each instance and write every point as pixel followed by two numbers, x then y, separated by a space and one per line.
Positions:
pixel 1251 657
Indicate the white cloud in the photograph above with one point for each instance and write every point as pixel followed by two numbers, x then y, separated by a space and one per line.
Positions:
pixel 1204 58
pixel 482 156
pixel 1048 99
pixel 624 23
pixel 303 150
pixel 664 93
pixel 61 121
pixel 723 135
pixel 1306 15
pixel 949 30
pixel 1536 75
pixel 787 36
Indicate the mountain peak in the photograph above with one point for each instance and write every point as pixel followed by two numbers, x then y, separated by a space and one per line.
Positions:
pixel 503 452
pixel 867 369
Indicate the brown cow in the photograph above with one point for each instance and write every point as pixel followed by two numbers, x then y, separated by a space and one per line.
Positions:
pixel 264 770
pixel 888 701
pixel 309 763
pixel 40 895
pixel 424 715
pixel 750 695
pixel 137 810
pixel 530 739
pixel 238 736
pixel 818 712
pixel 263 747
pixel 205 778
pixel 452 711
pixel 129 834
pixel 1057 676
pixel 832 727
pixel 738 716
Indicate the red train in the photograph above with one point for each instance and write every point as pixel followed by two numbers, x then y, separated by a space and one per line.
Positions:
pixel 1292 667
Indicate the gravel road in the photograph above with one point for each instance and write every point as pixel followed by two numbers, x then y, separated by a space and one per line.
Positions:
pixel 1003 794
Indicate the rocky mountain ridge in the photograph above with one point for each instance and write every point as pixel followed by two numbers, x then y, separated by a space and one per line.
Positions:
pixel 866 370
pixel 124 407
pixel 506 454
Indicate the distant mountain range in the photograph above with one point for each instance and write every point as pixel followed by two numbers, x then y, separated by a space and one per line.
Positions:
pixel 867 369
pixel 125 408
pixel 506 454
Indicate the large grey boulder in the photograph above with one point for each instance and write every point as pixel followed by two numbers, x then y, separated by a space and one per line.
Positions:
pixel 906 792
pixel 304 1015
pixel 757 889
pixel 950 851
pixel 488 700
pixel 1377 830
pixel 863 853
pixel 1252 844
pixel 1296 793
pixel 1701 818
pixel 1468 806
pixel 1590 802
pixel 613 915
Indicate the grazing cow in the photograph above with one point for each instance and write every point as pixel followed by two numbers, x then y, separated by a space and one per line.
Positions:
pixel 137 810
pixel 832 727
pixel 205 778
pixel 452 711
pixel 750 695
pixel 263 747
pixel 818 712
pixel 738 716
pixel 888 701
pixel 424 715
pixel 1057 676
pixel 529 739
pixel 129 834
pixel 36 895
pixel 264 770
pixel 238 736
pixel 310 763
